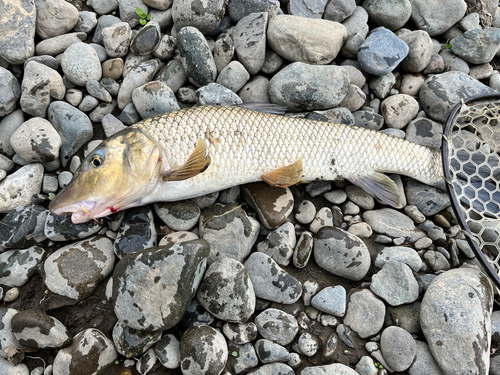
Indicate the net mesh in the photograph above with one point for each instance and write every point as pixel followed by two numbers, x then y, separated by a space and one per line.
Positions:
pixel 473 160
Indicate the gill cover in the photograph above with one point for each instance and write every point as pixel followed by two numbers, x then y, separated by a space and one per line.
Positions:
pixel 116 175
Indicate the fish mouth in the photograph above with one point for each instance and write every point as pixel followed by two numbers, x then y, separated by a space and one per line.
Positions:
pixel 80 212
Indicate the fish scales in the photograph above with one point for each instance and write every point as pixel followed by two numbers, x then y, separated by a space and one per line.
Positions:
pixel 244 144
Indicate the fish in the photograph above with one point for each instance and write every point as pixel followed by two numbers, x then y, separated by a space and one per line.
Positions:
pixel 200 150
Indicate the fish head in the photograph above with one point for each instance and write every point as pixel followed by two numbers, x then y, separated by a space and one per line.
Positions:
pixel 118 174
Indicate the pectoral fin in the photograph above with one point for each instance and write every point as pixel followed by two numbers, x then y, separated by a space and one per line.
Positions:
pixel 285 176
pixel 379 186
pixel 197 163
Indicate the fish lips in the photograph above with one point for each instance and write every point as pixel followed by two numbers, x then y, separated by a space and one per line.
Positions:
pixel 79 211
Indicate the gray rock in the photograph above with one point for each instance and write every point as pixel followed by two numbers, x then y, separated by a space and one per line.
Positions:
pixel 398 110
pixel 50 61
pixel 116 39
pixel 249 37
pixel 425 132
pixel 395 283
pixel 89 345
pixel 40 83
pixel 307 8
pixel 77 269
pixel 223 52
pixel 74 97
pixel 365 313
pixel 381 52
pixel 238 9
pixel 354 99
pixel 205 16
pixel 323 218
pixel 146 40
pixel 341 253
pixel 173 75
pixel 196 56
pixel 357 196
pixel 128 12
pixel 273 204
pixel 382 85
pixel 405 316
pixel 103 6
pixel 17 188
pixel 477 46
pixel 436 261
pixel 243 357
pixel 229 231
pixel 398 348
pixel 167 351
pixel 272 62
pixel 203 349
pixel 420 50
pixel 36 140
pixel 402 254
pixel 436 64
pixel 139 76
pixel 17 27
pixel 313 41
pixel 234 76
pixel 88 103
pixel 87 21
pixel 277 326
pixel 154 98
pixel 61 228
pixel 166 47
pixel 279 244
pixel 336 368
pixel 16 266
pixel 331 300
pixel 98 91
pixel 131 342
pixel 335 115
pixel 270 352
pixel 424 363
pixel 159 4
pixel 431 18
pixel 137 232
pixel 10 92
pixel 339 10
pixel 411 83
pixel 22 227
pixel 35 329
pixel 184 263
pixel 227 292
pixel 256 91
pixel 73 125
pixel 357 22
pixel 429 200
pixel 177 237
pixel 393 223
pixel 270 281
pixel 351 46
pixel 392 15
pixel 300 86
pixel 453 63
pixel 102 23
pixel 58 44
pixel 458 342
pixel 54 17
pixel 305 212
pixel 179 216
pixel 240 333
pixel 7 338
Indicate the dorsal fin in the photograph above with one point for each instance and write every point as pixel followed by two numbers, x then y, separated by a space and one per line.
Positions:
pixel 285 176
pixel 379 186
pixel 197 163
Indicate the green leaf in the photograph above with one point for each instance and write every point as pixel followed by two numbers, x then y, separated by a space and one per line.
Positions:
pixel 148 17
pixel 234 354
pixel 139 12
pixel 52 196
pixel 113 12
pixel 142 22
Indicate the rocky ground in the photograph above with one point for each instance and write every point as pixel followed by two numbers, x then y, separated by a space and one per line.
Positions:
pixel 312 279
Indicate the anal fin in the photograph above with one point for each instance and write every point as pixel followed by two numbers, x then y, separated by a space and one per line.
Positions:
pixel 197 163
pixel 379 186
pixel 285 176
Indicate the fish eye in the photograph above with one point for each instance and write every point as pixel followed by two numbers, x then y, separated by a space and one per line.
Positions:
pixel 96 160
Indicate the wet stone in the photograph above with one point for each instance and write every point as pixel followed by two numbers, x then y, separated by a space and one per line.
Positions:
pixel 35 329
pixel 131 342
pixel 196 315
pixel 90 349
pixel 227 292
pixel 395 283
pixel 365 313
pixel 270 352
pixel 168 296
pixel 76 270
pixel 341 253
pixel 61 228
pixel 179 216
pixel 240 333
pixel 242 357
pixel 331 300
pixel 136 233
pixel 17 188
pixel 203 349
pixel 16 266
pixel 270 281
pixel 146 40
pixel 277 326
pixel 279 244
pixel 229 231
pixel 303 250
pixel 167 351
pixel 23 227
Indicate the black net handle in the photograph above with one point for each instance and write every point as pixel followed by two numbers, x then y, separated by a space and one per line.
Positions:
pixel 455 203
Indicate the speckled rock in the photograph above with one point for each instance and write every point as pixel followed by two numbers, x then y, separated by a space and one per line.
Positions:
pixel 277 326
pixel 7 338
pixel 173 75
pixel 203 349
pixel 365 313
pixel 137 232
pixel 393 223
pixel 80 63
pixel 227 292
pixel 167 351
pixel 240 333
pixel 154 98
pixel 273 204
pixel 116 39
pixel 183 263
pixel 23 227
pixel 77 269
pixel 341 253
pixel 11 91
pixel 250 41
pixel 35 329
pixel 205 16
pixel 279 244
pixel 16 266
pixel 215 94
pixel 61 228
pixel 431 18
pixel 90 350
pixel 336 368
pixel 398 110
pixel 138 76
pixel 17 188
pixel 392 15
pixel 54 17
pixel 313 41
pixel 229 231
pixel 179 216
pixel 460 342
pixel 131 342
